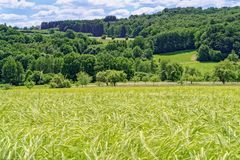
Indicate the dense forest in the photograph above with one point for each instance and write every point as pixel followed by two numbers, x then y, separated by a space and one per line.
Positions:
pixel 64 56
pixel 172 30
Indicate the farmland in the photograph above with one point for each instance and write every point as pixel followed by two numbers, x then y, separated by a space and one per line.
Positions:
pixel 188 122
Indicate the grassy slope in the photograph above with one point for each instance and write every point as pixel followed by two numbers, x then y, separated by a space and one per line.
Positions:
pixel 187 58
pixel 120 123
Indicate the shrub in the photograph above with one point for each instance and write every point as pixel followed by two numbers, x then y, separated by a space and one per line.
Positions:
pixel 83 78
pixel 111 76
pixel 59 81
pixel 29 84
pixel 104 37
pixel 6 86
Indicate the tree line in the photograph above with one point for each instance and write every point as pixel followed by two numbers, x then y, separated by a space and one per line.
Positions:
pixel 62 58
pixel 172 30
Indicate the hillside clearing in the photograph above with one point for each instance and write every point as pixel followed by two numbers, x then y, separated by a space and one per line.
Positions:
pixel 186 58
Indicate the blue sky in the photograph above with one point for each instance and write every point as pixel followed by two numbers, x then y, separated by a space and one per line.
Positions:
pixel 33 12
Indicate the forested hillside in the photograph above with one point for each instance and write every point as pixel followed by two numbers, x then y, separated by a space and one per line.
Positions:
pixel 36 57
pixel 173 30
pixel 64 56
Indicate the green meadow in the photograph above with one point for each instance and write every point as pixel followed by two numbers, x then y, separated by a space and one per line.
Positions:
pixel 187 58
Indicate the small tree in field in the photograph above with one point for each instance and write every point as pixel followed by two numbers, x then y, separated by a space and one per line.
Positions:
pixel 225 71
pixel 191 74
pixel 135 79
pixel 154 79
pixel 58 81
pixel 111 76
pixel 102 77
pixel 83 78
pixel 145 79
pixel 116 76
pixel 29 84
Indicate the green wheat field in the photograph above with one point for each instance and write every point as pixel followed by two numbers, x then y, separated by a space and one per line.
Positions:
pixel 121 123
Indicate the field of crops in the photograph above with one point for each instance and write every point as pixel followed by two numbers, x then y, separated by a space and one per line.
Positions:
pixel 121 123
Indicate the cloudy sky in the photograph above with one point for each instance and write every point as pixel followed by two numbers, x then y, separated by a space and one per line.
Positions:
pixel 33 12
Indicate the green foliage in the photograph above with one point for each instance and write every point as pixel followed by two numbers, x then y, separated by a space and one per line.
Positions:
pixel 135 79
pixel 116 76
pixel 58 81
pixel 233 57
pixel 68 52
pixel 38 38
pixel 102 77
pixel 29 84
pixel 203 53
pixel 191 74
pixel 154 79
pixel 83 78
pixel 111 76
pixel 174 41
pixel 138 42
pixel 225 71
pixel 70 34
pixel 12 72
pixel 104 37
pixel 146 78
pixel 137 52
pixel 170 71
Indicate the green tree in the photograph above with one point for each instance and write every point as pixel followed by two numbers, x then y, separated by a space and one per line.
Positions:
pixel 135 79
pixel 203 53
pixel 103 77
pixel 145 78
pixel 111 76
pixel 38 38
pixel 66 49
pixel 59 81
pixel 191 74
pixel 123 32
pixel 116 76
pixel 137 52
pixel 154 79
pixel 12 72
pixel 170 71
pixel 138 42
pixel 83 78
pixel 233 57
pixel 29 84
pixel 70 34
pixel 225 71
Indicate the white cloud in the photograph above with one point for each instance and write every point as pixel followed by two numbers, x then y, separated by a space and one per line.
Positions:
pixel 12 17
pixel 68 13
pixel 147 10
pixel 120 13
pixel 65 2
pixel 115 3
pixel 202 3
pixel 15 4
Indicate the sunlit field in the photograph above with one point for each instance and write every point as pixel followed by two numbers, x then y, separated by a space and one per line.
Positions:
pixel 120 123
pixel 187 58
